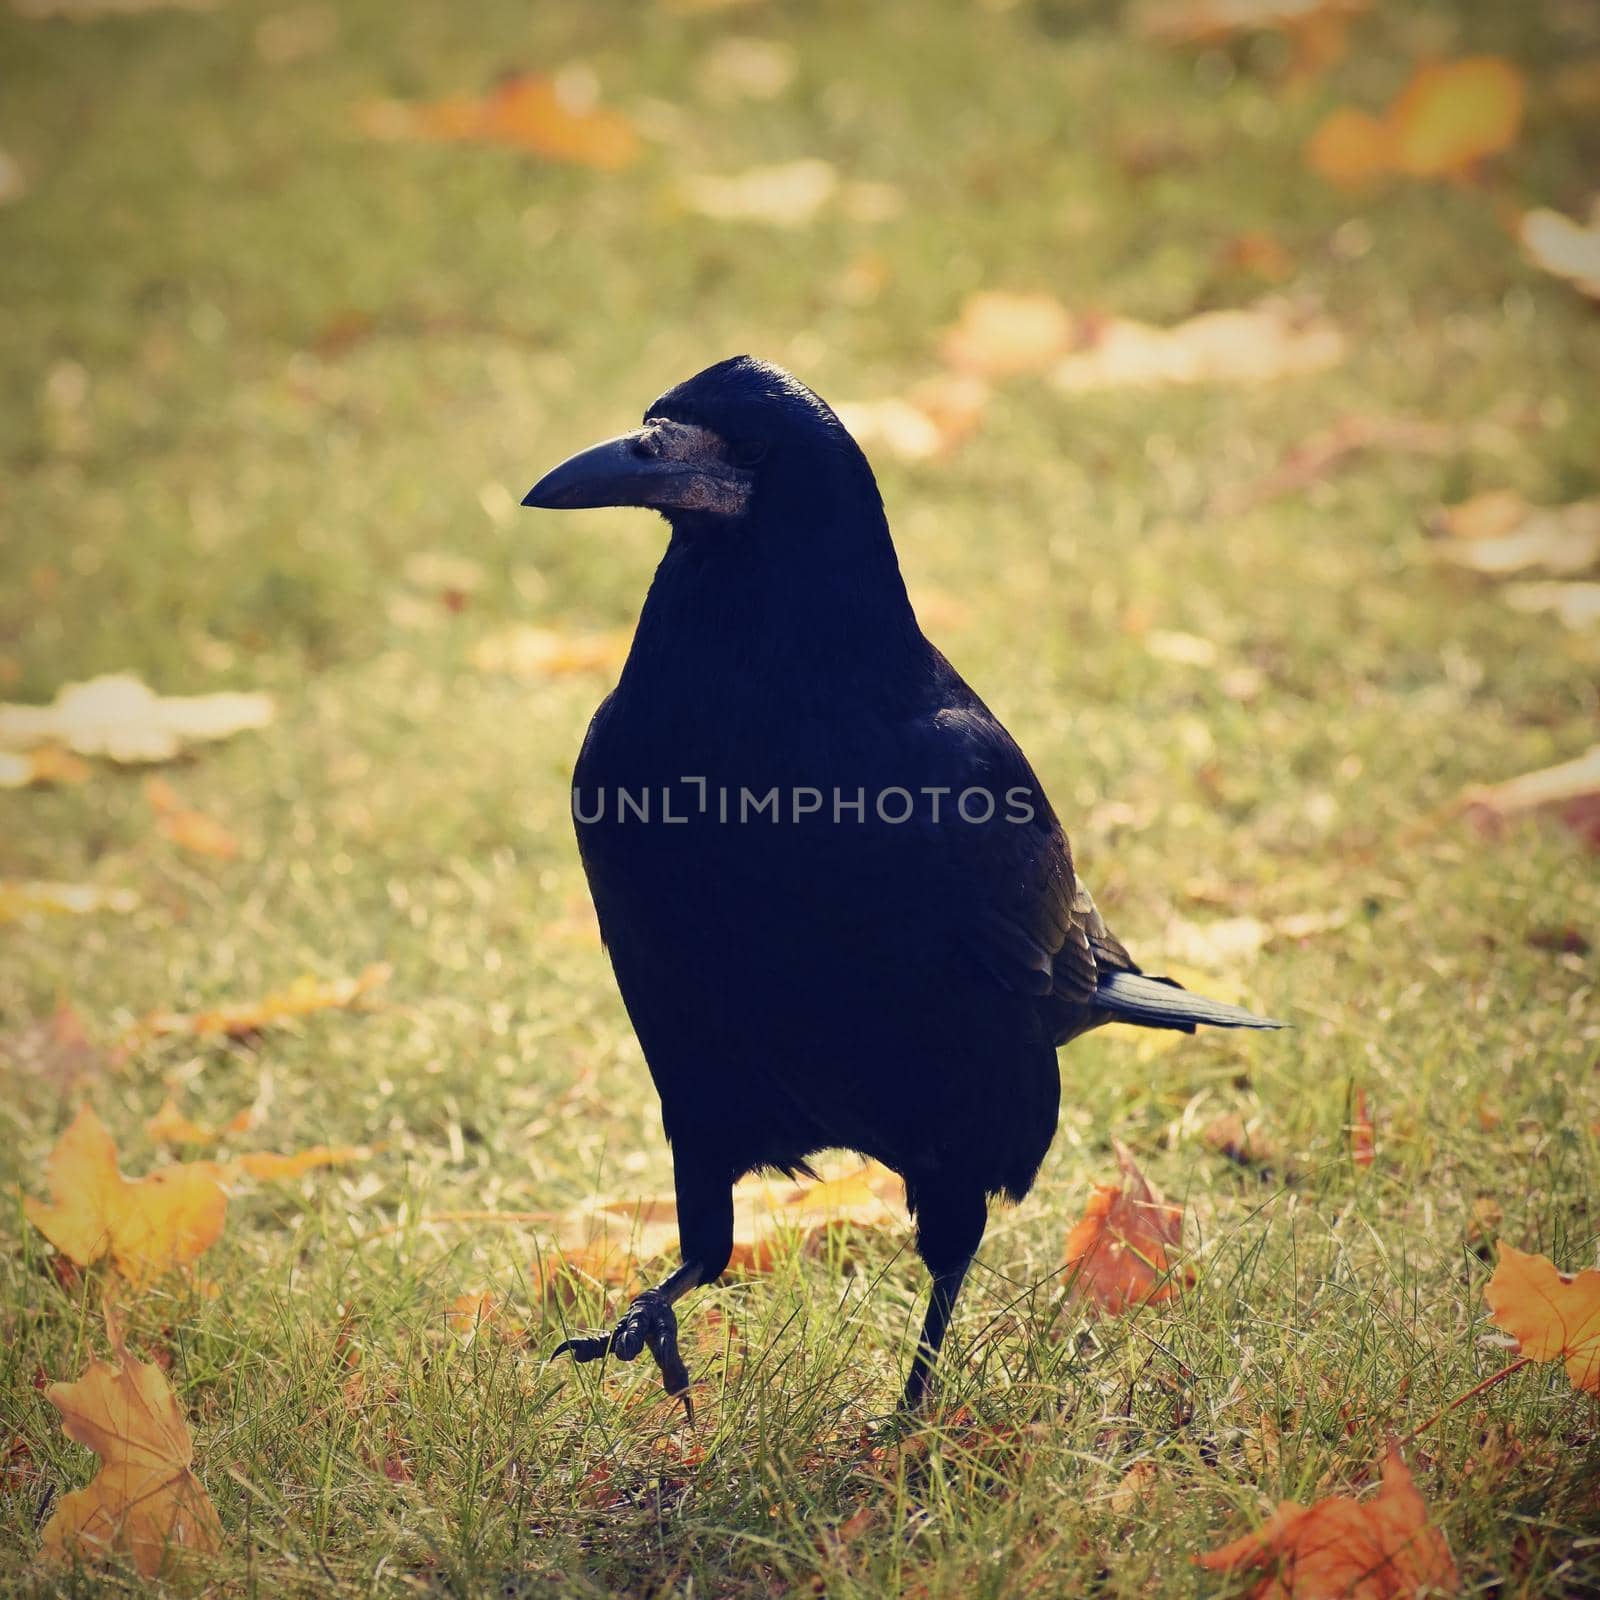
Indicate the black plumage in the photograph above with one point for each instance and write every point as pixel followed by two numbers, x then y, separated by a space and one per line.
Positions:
pixel 834 976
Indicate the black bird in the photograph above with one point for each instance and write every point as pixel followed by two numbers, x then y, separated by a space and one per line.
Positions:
pixel 839 907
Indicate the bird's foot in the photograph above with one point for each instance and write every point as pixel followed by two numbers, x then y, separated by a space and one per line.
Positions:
pixel 649 1323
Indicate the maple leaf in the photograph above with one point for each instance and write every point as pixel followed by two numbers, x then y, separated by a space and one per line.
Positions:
pixel 554 117
pixel 238 1019
pixel 1121 1248
pixel 1553 1316
pixel 1380 1549
pixel 1259 344
pixel 145 1502
pixel 121 718
pixel 148 1226
pixel 1451 116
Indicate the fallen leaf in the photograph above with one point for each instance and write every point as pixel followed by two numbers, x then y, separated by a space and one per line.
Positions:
pixel 1574 605
pixel 184 826
pixel 788 195
pixel 148 1226
pixel 1571 791
pixel 1553 1316
pixel 1001 335
pixel 170 1126
pixel 1120 1252
pixel 267 1164
pixel 1363 1136
pixel 117 716
pixel 558 118
pixel 48 764
pixel 936 417
pixel 1381 1549
pixel 241 1018
pixel 1565 248
pixel 1491 514
pixel 1230 1135
pixel 1258 345
pixel 1222 945
pixel 468 1315
pixel 527 652
pixel 1135 1490
pixel 1450 117
pixel 21 897
pixel 145 1502
pixel 1564 540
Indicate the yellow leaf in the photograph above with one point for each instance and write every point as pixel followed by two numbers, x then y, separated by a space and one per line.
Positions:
pixel 303 997
pixel 48 764
pixel 145 1502
pixel 148 1226
pixel 525 651
pixel 119 717
pixel 1552 1315
pixel 1455 113
pixel 266 1164
pixel 999 335
pixel 20 897
pixel 170 1126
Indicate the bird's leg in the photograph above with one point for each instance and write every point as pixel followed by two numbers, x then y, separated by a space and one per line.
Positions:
pixel 941 1303
pixel 950 1224
pixel 705 1224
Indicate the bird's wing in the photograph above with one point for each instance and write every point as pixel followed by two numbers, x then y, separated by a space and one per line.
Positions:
pixel 1021 912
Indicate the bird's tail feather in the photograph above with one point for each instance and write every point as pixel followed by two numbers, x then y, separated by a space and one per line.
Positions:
pixel 1161 1003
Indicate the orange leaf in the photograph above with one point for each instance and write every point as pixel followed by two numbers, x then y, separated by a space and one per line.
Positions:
pixel 551 117
pixel 191 829
pixel 170 1126
pixel 145 1502
pixel 1553 1316
pixel 1363 1137
pixel 1455 113
pixel 147 1225
pixel 303 997
pixel 1121 1248
pixel 999 335
pixel 267 1165
pixel 1382 1549
pixel 48 764
pixel 1447 119
pixel 1350 148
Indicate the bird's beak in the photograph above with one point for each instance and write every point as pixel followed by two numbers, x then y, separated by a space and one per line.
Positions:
pixel 671 466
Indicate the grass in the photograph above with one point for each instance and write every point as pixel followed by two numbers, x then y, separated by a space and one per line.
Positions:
pixel 254 362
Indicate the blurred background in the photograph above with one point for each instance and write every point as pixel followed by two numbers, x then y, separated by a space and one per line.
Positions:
pixel 1229 371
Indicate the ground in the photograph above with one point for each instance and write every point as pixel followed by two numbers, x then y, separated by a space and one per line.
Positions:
pixel 258 361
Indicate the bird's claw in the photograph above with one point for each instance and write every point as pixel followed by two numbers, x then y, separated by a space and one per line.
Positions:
pixel 649 1323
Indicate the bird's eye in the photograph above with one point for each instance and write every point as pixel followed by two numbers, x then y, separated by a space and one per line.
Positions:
pixel 747 452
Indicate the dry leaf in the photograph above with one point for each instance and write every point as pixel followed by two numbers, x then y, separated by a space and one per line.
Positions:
pixel 1553 1316
pixel 184 826
pixel 1449 117
pixel 1381 1549
pixel 788 195
pixel 528 652
pixel 1571 791
pixel 471 1314
pixel 1564 540
pixel 1363 1136
pixel 267 1164
pixel 21 897
pixel 1568 249
pixel 936 417
pixel 1259 345
pixel 554 117
pixel 170 1126
pixel 48 764
pixel 148 1225
pixel 1574 605
pixel 999 335
pixel 1135 1490
pixel 117 716
pixel 145 1502
pixel 1244 1142
pixel 1121 1251
pixel 241 1018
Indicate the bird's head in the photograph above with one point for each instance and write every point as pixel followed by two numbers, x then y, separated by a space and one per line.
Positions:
pixel 714 450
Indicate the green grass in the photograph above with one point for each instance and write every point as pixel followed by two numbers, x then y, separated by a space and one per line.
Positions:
pixel 198 486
